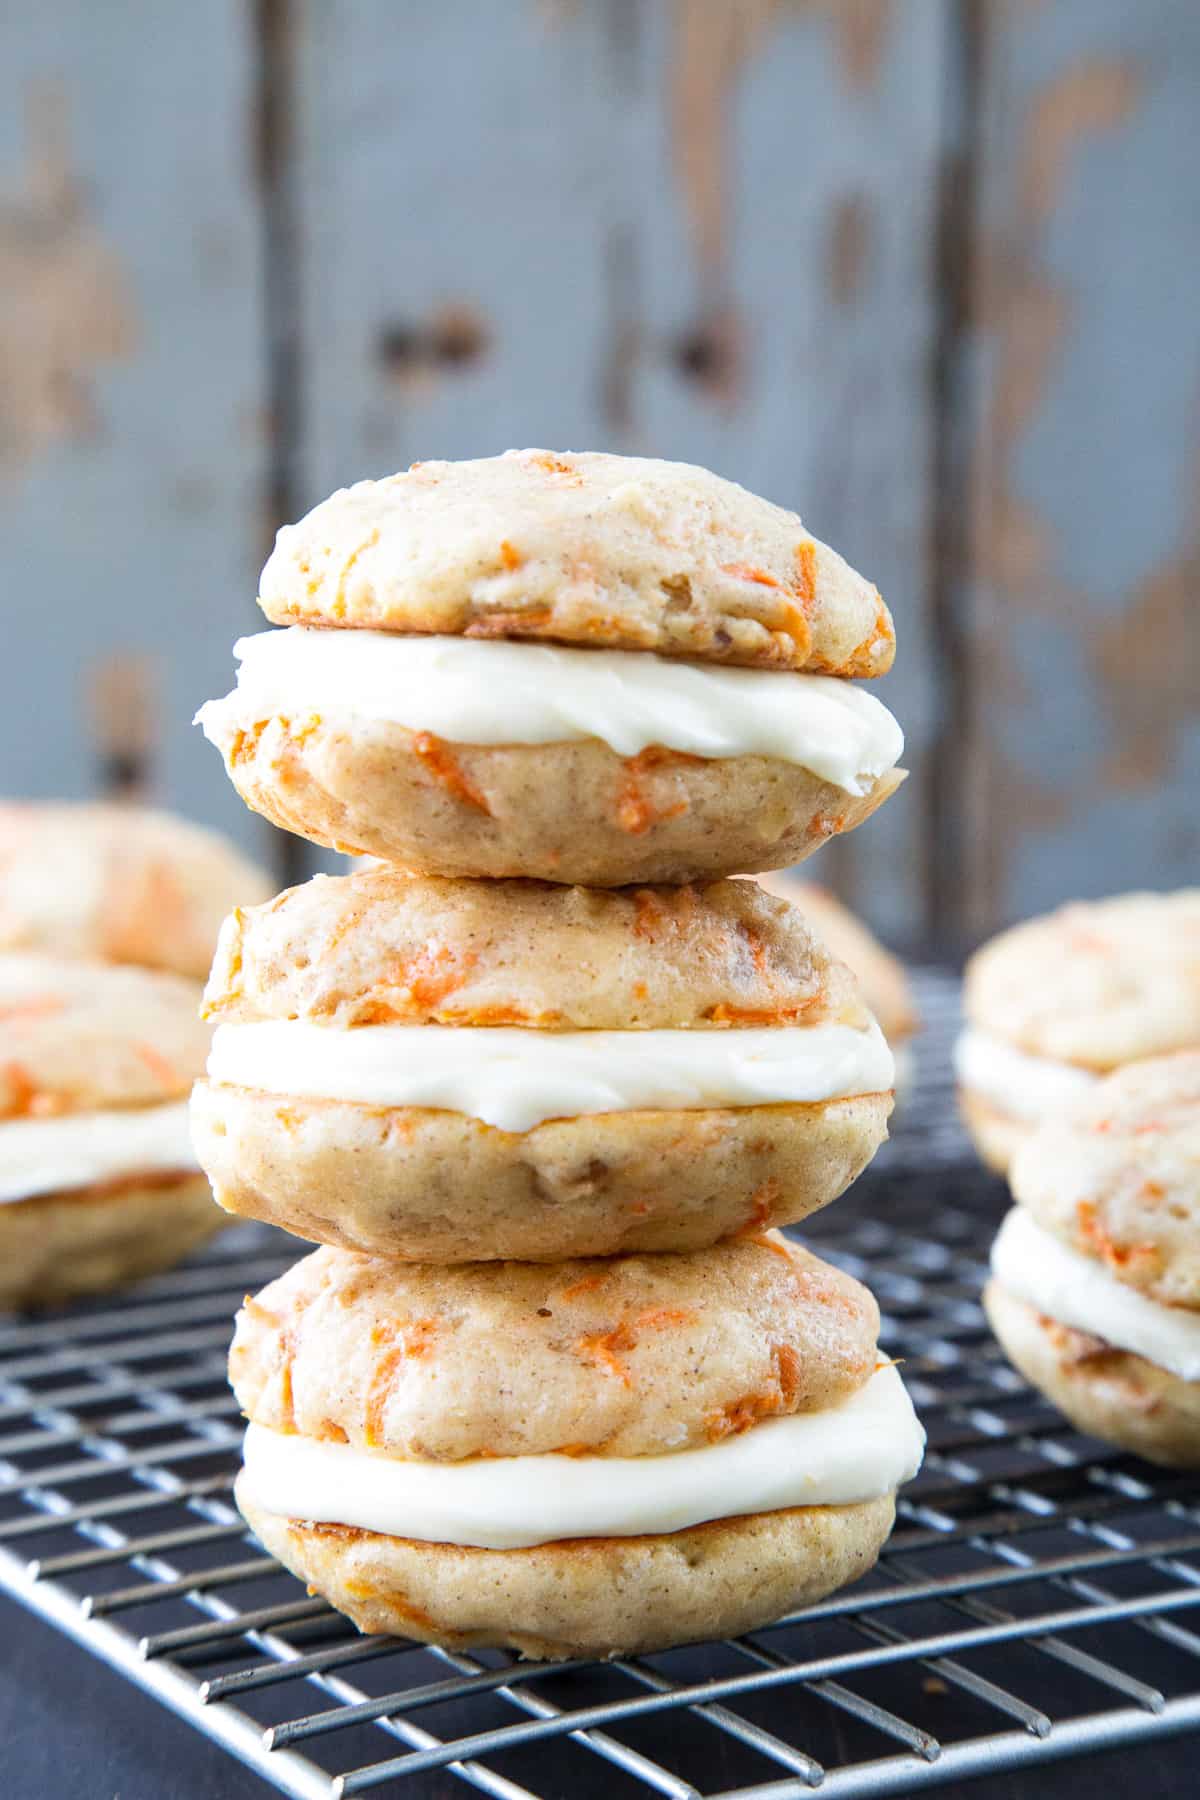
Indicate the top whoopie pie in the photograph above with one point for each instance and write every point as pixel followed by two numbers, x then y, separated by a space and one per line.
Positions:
pixel 120 884
pixel 1058 1001
pixel 586 668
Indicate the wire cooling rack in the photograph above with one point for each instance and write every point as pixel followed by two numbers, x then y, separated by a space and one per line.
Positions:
pixel 1038 1599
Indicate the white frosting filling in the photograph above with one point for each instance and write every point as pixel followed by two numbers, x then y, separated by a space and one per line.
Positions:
pixel 498 692
pixel 1023 1086
pixel 1077 1290
pixel 516 1078
pixel 80 1150
pixel 860 1450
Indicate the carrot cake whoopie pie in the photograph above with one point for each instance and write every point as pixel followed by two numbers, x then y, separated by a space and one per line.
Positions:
pixel 581 668
pixel 121 884
pixel 1059 1001
pixel 449 1070
pixel 595 1457
pixel 1095 1290
pixel 98 1180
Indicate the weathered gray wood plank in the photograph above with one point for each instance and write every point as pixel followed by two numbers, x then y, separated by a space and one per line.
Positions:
pixel 1083 751
pixel 132 441
pixel 697 232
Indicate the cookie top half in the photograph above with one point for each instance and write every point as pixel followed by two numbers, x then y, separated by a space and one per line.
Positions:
pixel 625 1356
pixel 78 1036
pixel 122 884
pixel 1118 1177
pixel 618 552
pixel 382 947
pixel 1097 983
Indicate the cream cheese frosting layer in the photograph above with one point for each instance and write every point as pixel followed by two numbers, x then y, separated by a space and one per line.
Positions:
pixel 496 692
pixel 81 1150
pixel 516 1078
pixel 861 1450
pixel 1076 1290
pixel 1023 1086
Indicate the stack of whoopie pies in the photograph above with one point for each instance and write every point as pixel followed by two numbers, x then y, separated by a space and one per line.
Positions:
pixel 541 1081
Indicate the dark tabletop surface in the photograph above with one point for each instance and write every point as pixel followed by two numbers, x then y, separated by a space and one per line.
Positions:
pixel 71 1729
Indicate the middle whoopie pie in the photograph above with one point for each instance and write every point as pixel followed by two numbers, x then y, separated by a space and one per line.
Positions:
pixel 590 1458
pixel 448 1070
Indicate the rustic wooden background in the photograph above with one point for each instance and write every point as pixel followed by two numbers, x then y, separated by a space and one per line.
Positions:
pixel 928 270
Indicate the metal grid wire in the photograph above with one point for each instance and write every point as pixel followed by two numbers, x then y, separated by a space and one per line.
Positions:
pixel 1037 1600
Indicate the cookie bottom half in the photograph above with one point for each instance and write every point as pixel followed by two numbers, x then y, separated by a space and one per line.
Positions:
pixel 573 812
pixel 430 1185
pixel 57 1247
pixel 1106 1392
pixel 584 1596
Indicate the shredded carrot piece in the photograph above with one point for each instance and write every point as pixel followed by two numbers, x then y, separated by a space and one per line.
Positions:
pixel 748 572
pixel 600 1348
pixel 758 949
pixel 603 1348
pixel 725 1014
pixel 1096 1237
pixel 554 465
pixel 787 1364
pixel 650 914
pixel 27 1098
pixel 287 1399
pixel 168 1077
pixel 442 766
pixel 39 1006
pixel 245 743
pixel 587 1285
pixel 806 574
pixel 415 1339
pixel 510 556
pixel 777 1247
pixel 432 973
pixel 254 1309
pixel 762 1201
pixel 636 812
pixel 499 1015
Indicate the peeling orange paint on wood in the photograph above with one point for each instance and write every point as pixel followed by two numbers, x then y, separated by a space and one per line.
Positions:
pixel 67 304
pixel 851 229
pixel 1095 95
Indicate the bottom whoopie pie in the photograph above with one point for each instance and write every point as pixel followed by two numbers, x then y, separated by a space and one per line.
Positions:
pixel 597 1457
pixel 1095 1290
